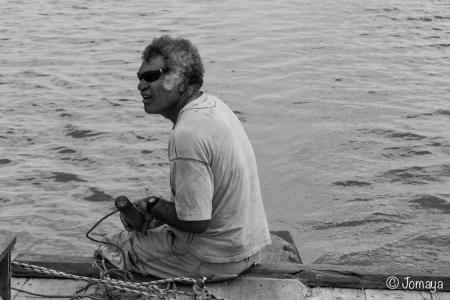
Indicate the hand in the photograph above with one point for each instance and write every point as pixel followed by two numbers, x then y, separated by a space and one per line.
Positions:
pixel 156 223
pixel 141 207
pixel 125 224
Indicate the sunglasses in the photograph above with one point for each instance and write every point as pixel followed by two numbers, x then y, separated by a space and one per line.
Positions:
pixel 151 76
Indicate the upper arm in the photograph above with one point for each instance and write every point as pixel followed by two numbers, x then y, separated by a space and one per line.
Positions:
pixel 192 184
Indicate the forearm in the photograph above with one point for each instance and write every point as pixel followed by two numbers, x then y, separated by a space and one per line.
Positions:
pixel 166 212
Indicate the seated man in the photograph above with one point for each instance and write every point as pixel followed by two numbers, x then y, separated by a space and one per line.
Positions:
pixel 214 223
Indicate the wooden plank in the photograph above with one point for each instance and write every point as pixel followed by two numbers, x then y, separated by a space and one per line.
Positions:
pixel 323 293
pixel 75 265
pixel 49 287
pixel 244 288
pixel 440 296
pixel 100 289
pixel 349 276
pixel 396 295
pixel 7 241
pixel 258 289
pixel 18 284
pixel 240 288
pixel 5 277
pixel 312 275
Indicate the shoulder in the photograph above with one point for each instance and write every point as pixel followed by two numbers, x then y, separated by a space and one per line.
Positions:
pixel 199 118
pixel 201 110
pixel 203 124
pixel 192 134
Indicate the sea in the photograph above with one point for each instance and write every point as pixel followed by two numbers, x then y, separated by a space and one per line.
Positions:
pixel 346 104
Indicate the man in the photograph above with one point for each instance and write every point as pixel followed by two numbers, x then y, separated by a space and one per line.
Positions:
pixel 215 224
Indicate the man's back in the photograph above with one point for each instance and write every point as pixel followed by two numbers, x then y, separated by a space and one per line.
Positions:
pixel 211 158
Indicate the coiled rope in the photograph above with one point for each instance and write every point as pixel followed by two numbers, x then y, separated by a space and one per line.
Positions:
pixel 126 285
pixel 120 285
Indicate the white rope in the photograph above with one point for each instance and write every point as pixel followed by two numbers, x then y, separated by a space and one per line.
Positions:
pixel 119 284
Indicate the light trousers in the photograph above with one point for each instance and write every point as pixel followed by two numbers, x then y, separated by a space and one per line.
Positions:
pixel 160 253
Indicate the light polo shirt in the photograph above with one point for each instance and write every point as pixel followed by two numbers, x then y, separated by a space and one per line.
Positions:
pixel 213 176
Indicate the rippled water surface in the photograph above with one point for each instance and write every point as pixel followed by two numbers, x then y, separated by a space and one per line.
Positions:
pixel 346 104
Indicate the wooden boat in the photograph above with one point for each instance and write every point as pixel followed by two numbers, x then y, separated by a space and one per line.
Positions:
pixel 281 275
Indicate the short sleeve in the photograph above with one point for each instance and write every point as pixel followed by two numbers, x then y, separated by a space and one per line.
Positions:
pixel 192 186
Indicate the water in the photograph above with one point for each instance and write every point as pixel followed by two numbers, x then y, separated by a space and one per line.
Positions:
pixel 346 104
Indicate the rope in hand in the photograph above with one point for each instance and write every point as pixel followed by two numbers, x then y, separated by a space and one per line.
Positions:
pixel 121 285
pixel 101 242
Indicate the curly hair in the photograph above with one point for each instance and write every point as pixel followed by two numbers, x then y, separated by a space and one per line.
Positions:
pixel 181 57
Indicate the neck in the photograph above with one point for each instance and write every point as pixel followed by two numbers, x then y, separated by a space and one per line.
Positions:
pixel 185 98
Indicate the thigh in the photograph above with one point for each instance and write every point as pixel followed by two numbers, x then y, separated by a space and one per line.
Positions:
pixel 159 253
pixel 155 245
pixel 172 259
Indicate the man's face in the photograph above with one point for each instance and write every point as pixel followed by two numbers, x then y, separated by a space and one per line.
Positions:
pixel 156 98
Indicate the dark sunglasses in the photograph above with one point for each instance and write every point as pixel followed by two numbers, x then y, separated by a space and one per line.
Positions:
pixel 151 76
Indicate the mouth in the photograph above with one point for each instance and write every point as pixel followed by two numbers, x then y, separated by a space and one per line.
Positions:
pixel 146 99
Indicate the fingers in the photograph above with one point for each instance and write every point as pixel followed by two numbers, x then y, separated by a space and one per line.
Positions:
pixel 141 205
pixel 156 223
pixel 147 221
pixel 145 227
pixel 125 224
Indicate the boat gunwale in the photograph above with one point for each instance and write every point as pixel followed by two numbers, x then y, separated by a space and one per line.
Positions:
pixel 314 275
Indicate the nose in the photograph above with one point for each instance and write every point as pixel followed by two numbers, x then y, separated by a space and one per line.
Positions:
pixel 142 85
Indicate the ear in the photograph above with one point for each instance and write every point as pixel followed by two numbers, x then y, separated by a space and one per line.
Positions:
pixel 182 86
